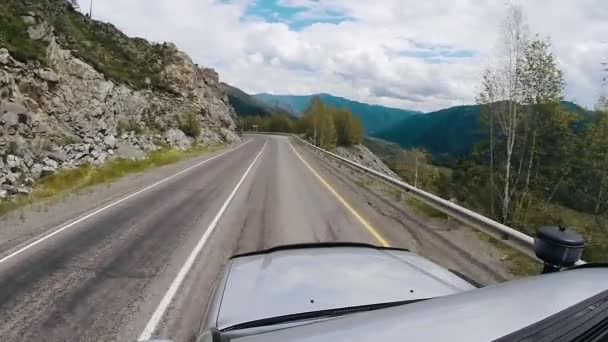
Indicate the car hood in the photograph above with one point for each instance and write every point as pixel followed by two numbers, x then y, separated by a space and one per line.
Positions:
pixel 548 308
pixel 297 280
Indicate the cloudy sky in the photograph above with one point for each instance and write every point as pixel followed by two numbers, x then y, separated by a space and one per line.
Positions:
pixel 422 55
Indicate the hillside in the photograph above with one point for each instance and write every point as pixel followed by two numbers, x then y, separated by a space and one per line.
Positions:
pixel 247 105
pixel 75 91
pixel 448 132
pixel 374 118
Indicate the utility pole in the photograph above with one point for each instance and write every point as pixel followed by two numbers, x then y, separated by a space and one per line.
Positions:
pixel 91 10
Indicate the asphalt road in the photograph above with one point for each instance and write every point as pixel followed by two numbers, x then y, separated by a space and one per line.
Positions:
pixel 106 276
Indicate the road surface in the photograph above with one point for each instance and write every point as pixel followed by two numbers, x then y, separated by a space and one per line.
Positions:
pixel 143 263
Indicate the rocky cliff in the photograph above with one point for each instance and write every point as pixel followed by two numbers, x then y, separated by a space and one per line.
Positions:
pixel 64 104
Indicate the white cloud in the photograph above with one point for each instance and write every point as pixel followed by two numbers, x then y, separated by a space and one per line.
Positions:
pixel 421 55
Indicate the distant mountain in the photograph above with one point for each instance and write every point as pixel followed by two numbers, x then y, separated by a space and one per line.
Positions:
pixel 375 118
pixel 448 132
pixel 247 105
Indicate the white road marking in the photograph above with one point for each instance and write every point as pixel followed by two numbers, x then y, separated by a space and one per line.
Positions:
pixel 67 226
pixel 181 275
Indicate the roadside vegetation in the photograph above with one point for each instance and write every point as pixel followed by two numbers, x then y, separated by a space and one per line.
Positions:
pixel 69 180
pixel 325 126
pixel 537 162
pixel 131 61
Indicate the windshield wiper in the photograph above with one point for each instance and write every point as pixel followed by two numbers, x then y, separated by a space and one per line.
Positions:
pixel 318 314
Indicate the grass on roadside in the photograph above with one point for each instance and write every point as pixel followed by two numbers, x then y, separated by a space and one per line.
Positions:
pixel 519 264
pixel 87 175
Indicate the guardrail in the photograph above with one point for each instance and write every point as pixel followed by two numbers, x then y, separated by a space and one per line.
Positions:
pixel 499 231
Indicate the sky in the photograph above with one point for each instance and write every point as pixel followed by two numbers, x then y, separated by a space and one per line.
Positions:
pixel 420 55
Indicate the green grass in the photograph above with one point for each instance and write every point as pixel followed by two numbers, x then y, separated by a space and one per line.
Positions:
pixel 14 36
pixel 125 60
pixel 87 175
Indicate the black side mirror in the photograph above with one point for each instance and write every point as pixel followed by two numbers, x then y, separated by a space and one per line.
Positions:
pixel 558 247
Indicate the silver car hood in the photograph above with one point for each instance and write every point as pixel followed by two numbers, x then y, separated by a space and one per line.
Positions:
pixel 481 315
pixel 294 281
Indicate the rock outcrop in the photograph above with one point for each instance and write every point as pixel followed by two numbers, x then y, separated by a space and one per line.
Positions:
pixel 66 113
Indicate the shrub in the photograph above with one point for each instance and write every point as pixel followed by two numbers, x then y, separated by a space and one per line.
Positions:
pixel 129 126
pixel 191 125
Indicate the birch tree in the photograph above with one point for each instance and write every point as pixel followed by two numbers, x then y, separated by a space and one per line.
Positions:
pixel 502 93
pixel 542 85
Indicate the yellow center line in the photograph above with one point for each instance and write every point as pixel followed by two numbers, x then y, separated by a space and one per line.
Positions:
pixel 363 222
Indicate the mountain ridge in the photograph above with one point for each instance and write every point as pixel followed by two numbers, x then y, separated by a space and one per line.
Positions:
pixel 448 132
pixel 373 117
pixel 247 105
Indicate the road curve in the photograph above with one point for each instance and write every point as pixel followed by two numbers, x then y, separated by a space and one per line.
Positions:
pixel 104 277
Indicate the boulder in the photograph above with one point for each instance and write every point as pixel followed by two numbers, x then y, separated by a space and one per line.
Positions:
pixel 176 137
pixel 28 20
pixel 36 170
pixel 129 151
pixel 14 113
pixel 28 161
pixel 40 31
pixel 13 162
pixel 110 141
pixel 12 178
pixel 50 163
pixel 47 171
pixel 5 57
pixel 48 75
pixel 58 156
pixel 102 157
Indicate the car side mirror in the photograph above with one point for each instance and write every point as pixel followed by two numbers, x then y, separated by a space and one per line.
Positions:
pixel 558 247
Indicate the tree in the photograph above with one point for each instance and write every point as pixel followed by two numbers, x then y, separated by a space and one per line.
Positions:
pixel 502 95
pixel 342 124
pixel 356 130
pixel 312 116
pixel 542 84
pixel 327 131
pixel 596 143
